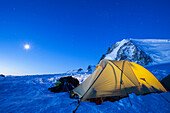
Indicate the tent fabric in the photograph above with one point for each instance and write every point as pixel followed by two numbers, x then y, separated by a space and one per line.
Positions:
pixel 118 78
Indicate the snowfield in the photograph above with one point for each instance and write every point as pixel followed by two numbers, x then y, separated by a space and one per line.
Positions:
pixel 30 94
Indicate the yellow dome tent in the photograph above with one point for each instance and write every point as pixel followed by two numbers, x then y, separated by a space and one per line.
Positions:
pixel 118 78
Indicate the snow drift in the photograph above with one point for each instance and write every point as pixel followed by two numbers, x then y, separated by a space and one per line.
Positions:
pixel 31 94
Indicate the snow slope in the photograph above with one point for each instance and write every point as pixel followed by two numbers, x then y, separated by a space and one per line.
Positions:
pixel 141 51
pixel 29 94
pixel 157 49
pixel 114 50
pixel 160 70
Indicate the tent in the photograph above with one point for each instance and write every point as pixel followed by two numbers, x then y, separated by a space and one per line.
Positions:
pixel 166 82
pixel 118 78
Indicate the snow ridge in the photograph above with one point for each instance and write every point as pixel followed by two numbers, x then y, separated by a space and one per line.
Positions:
pixel 141 51
pixel 127 50
pixel 157 49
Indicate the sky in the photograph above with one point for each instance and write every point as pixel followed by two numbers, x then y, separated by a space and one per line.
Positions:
pixel 70 34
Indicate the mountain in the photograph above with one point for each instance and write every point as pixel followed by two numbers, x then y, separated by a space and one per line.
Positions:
pixel 157 49
pixel 22 94
pixel 1 75
pixel 141 51
pixel 89 69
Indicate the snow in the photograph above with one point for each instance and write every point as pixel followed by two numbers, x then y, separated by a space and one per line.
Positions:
pixel 113 54
pixel 157 49
pixel 127 50
pixel 152 40
pixel 31 94
pixel 160 70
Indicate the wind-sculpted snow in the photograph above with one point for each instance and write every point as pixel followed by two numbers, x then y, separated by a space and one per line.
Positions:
pixel 160 71
pixel 30 94
pixel 157 49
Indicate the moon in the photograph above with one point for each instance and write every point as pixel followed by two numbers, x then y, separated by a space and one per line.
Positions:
pixel 26 46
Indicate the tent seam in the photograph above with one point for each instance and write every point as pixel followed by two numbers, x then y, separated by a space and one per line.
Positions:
pixel 93 83
pixel 124 73
pixel 114 73
pixel 134 74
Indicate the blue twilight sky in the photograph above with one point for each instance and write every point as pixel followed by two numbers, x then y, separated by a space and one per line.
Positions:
pixel 69 34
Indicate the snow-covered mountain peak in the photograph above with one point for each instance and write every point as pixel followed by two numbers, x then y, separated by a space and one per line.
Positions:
pixel 114 48
pixel 141 51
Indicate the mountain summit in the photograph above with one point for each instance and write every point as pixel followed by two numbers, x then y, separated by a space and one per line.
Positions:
pixel 141 51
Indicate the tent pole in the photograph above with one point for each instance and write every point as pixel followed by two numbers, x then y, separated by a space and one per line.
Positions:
pixel 121 82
